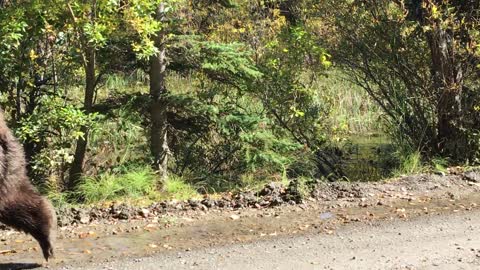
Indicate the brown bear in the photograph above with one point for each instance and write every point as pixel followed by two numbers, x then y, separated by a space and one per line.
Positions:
pixel 21 206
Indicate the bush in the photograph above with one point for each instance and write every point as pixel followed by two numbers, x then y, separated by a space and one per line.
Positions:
pixel 47 134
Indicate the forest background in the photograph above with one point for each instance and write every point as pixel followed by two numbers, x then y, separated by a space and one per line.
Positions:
pixel 149 99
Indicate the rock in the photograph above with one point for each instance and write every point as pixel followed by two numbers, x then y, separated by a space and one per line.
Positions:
pixel 123 215
pixel 144 212
pixel 264 203
pixel 222 203
pixel 272 186
pixel 97 213
pixel 122 211
pixel 65 216
pixel 234 217
pixel 237 204
pixel 250 198
pixel 85 219
pixel 326 215
pixel 276 200
pixel 193 203
pixel 472 176
pixel 163 204
pixel 81 215
pixel 208 203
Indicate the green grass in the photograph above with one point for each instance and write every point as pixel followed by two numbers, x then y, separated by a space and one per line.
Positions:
pixel 109 186
pixel 177 188
pixel 411 163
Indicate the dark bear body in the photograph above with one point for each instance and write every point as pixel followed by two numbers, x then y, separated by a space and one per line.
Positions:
pixel 21 206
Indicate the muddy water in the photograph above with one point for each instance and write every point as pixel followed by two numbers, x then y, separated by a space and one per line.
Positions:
pixel 223 229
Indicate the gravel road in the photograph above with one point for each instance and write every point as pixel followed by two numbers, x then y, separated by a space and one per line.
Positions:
pixel 447 241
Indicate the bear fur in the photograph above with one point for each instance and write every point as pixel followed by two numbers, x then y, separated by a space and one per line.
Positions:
pixel 21 206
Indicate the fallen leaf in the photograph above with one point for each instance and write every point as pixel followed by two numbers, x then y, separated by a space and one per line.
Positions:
pixel 234 217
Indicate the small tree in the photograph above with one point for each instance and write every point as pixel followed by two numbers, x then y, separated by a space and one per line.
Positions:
pixel 94 22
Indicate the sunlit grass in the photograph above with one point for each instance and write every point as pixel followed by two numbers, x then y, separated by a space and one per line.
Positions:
pixel 177 188
pixel 110 186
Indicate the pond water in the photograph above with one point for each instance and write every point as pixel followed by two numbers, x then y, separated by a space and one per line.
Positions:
pixel 368 157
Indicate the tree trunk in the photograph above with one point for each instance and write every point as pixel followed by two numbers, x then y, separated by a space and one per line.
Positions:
pixel 448 82
pixel 291 10
pixel 158 132
pixel 76 169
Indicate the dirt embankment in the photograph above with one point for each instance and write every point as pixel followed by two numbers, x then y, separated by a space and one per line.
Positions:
pixel 335 194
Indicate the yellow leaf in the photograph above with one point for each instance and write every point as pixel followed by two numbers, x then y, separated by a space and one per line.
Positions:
pixel 434 11
pixel 33 55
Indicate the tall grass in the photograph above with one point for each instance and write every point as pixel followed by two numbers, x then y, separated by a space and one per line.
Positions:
pixel 352 109
pixel 410 163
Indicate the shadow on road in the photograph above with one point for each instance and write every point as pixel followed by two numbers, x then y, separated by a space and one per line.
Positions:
pixel 18 266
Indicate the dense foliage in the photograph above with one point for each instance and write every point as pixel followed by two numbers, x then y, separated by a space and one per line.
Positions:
pixel 227 94
pixel 420 61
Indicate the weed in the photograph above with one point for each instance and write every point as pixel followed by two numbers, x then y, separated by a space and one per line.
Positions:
pixel 440 165
pixel 109 186
pixel 176 188
pixel 410 163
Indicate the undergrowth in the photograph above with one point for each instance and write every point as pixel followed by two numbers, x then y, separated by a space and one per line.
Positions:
pixel 111 186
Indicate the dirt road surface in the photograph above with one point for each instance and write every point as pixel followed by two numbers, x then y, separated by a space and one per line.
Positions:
pixel 449 241
pixel 400 225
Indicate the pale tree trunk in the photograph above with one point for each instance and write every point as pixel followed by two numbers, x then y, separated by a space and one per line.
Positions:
pixel 158 91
